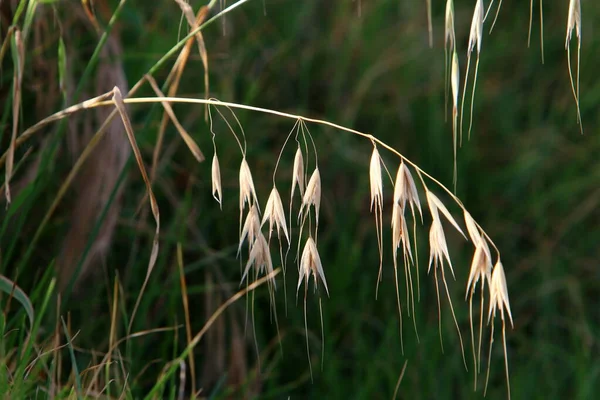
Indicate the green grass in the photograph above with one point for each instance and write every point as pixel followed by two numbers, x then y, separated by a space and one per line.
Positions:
pixel 527 176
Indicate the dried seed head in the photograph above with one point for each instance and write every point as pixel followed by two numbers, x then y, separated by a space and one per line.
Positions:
pixel 275 215
pixel 298 173
pixel 450 35
pixel 216 181
pixel 400 233
pixel 481 267
pixel 312 194
pixel 573 21
pixel 310 263
pixel 476 28
pixel 247 191
pixel 499 293
pixel 260 257
pixel 454 79
pixel 438 249
pixel 375 179
pixel 435 204
pixel 406 191
pixel 251 229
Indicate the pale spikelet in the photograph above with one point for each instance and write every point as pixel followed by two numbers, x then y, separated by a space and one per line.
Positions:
pixel 499 293
pixel 247 191
pixel 476 34
pixel 400 233
pixel 310 263
pixel 251 229
pixel 454 81
pixel 435 204
pixel 375 179
pixel 449 37
pixel 573 21
pixel 217 191
pixel 298 173
pixel 472 229
pixel 481 267
pixel 438 248
pixel 312 196
pixel 275 215
pixel 406 191
pixel 260 258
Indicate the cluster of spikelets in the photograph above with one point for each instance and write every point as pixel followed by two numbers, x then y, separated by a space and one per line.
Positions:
pixel 482 268
pixel 406 195
pixel 452 73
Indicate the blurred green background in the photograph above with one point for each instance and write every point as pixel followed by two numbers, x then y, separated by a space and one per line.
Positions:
pixel 527 175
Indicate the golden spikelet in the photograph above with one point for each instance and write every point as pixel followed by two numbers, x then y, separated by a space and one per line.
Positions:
pixel 217 190
pixel 312 195
pixel 298 173
pixel 310 263
pixel 260 258
pixel 275 215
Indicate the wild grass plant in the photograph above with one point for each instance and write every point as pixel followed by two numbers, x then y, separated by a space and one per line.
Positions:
pixel 121 358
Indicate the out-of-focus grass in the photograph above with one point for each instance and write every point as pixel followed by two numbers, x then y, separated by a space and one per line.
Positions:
pixel 526 175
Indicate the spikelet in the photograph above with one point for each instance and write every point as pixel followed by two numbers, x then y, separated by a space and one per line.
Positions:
pixel 454 83
pixel 450 36
pixel 438 252
pixel 275 215
pixel 247 191
pixel 499 294
pixel 438 248
pixel 476 34
pixel 574 24
pixel 472 229
pixel 375 180
pixel 376 184
pixel 400 233
pixel 312 196
pixel 310 263
pixel 260 258
pixel 499 301
pixel 298 173
pixel 406 191
pixel 573 21
pixel 251 229
pixel 435 204
pixel 217 191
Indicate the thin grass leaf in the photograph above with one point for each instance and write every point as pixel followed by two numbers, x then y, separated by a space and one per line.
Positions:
pixel 191 144
pixel 10 288
pixel 18 53
pixel 120 105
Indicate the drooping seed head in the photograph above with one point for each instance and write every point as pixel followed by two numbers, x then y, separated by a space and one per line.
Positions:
pixel 260 258
pixel 217 191
pixel 275 215
pixel 298 173
pixel 573 21
pixel 247 191
pixel 481 267
pixel 499 294
pixel 251 229
pixel 312 196
pixel 310 263
pixel 449 38
pixel 375 179
pixel 476 28
pixel 405 190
